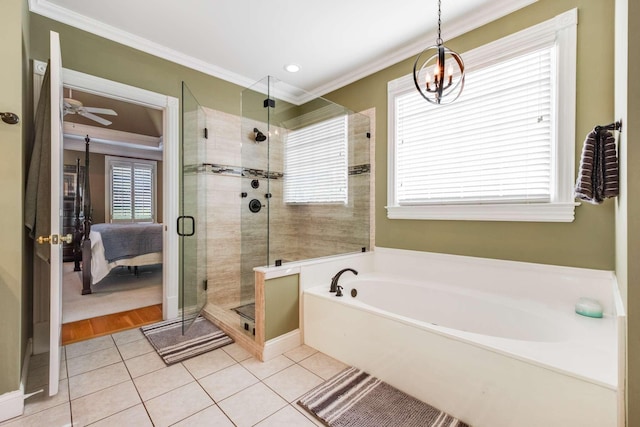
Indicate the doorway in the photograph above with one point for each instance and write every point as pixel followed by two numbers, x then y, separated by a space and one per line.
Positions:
pixel 170 171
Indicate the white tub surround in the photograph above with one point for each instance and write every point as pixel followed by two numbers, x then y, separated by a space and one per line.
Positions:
pixel 494 343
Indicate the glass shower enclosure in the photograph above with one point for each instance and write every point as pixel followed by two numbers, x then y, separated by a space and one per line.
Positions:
pixel 193 211
pixel 305 185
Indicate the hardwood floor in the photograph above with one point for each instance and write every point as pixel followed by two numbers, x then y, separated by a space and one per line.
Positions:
pixel 109 324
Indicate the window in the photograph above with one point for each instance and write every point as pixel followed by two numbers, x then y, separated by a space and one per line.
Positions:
pixel 505 149
pixel 315 164
pixel 131 191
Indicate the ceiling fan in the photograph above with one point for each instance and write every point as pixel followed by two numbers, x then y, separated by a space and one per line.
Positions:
pixel 73 106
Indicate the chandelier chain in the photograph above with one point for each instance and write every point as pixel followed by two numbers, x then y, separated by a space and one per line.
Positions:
pixel 439 41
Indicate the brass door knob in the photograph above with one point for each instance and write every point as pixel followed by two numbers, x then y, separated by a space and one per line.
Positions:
pixel 67 239
pixel 42 239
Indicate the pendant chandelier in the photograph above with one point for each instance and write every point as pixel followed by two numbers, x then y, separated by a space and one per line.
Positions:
pixel 439 72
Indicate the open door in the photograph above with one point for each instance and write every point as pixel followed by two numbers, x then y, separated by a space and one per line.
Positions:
pixel 55 273
pixel 191 222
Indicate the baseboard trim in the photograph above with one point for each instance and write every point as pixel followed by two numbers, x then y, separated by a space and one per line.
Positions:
pixel 12 403
pixel 276 346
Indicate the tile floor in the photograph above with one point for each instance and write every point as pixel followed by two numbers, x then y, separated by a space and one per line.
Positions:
pixel 119 380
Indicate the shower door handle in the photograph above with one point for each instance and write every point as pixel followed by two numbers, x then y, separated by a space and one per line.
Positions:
pixel 181 219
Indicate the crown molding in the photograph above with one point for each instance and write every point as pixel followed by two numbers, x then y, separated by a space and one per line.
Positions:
pixel 288 93
pixel 494 11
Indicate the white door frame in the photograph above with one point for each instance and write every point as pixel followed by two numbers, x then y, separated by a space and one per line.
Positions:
pixel 171 157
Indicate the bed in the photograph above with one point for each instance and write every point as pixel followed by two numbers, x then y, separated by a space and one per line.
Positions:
pixel 103 247
pixel 132 245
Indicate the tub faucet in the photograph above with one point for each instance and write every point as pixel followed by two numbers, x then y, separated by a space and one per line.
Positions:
pixel 334 281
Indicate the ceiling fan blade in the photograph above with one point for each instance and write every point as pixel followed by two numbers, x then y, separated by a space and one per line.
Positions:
pixel 107 111
pixel 95 118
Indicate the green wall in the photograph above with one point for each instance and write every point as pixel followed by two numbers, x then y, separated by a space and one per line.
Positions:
pixel 627 99
pixel 91 54
pixel 13 304
pixel 586 242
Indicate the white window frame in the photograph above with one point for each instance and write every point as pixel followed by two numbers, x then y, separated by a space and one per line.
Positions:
pixel 108 161
pixel 561 30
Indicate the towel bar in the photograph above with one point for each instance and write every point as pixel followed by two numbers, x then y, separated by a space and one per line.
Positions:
pixel 611 126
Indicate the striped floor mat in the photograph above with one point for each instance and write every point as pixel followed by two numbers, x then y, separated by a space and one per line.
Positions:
pixel 166 337
pixel 355 398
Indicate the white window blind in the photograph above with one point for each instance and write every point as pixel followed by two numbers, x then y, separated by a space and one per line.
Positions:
pixel 316 163
pixel 131 190
pixel 493 145
pixel 505 150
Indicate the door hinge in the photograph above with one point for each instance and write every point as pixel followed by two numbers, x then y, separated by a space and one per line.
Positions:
pixel 206 284
pixel 206 133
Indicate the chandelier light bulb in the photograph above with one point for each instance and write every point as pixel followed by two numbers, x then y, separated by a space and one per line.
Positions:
pixel 442 89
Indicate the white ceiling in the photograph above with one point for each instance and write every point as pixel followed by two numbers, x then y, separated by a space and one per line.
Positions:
pixel 335 42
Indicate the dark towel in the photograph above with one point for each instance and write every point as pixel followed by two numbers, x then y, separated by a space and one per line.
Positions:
pixel 37 200
pixel 598 174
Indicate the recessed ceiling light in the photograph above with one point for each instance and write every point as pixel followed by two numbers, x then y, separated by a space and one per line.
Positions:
pixel 292 68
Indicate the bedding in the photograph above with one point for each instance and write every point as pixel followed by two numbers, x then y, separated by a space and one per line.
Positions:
pixel 114 245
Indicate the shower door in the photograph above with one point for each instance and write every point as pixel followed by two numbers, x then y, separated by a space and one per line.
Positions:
pixel 191 223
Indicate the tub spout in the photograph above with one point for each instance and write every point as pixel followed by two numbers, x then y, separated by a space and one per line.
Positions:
pixel 334 281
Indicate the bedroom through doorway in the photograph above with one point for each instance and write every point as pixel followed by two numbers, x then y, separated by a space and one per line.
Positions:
pixel 126 187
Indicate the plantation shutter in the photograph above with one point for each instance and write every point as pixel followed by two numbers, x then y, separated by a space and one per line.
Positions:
pixel 143 192
pixel 132 191
pixel 121 185
pixel 494 145
pixel 316 163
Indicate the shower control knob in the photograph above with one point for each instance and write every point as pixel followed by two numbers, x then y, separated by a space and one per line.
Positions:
pixel 255 205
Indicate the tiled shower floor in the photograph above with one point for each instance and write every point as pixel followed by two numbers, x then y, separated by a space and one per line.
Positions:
pixel 119 380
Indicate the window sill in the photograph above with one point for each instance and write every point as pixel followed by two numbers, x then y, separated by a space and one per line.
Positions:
pixel 533 212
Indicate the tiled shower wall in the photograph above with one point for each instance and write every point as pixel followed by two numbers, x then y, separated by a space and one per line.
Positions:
pixel 237 237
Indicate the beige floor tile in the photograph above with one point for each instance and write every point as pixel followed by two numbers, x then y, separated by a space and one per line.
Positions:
pixel 39 360
pixel 161 381
pixel 89 346
pixel 126 337
pixel 208 363
pixel 238 353
pixel 252 405
pixel 37 378
pixel 141 365
pixel 212 416
pixel 178 404
pixel 98 379
pixel 293 382
pixel 286 416
pixel 228 381
pixel 263 370
pixel 63 370
pixel 104 403
pixel 135 348
pixel 89 362
pixel 300 353
pixel 58 416
pixel 307 415
pixel 135 416
pixel 41 401
pixel 323 365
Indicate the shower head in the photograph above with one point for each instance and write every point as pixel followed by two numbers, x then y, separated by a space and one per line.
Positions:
pixel 259 136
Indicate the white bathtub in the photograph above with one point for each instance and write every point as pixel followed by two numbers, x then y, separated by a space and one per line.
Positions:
pixel 491 359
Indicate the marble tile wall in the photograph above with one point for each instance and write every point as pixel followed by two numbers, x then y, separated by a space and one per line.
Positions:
pixel 237 238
